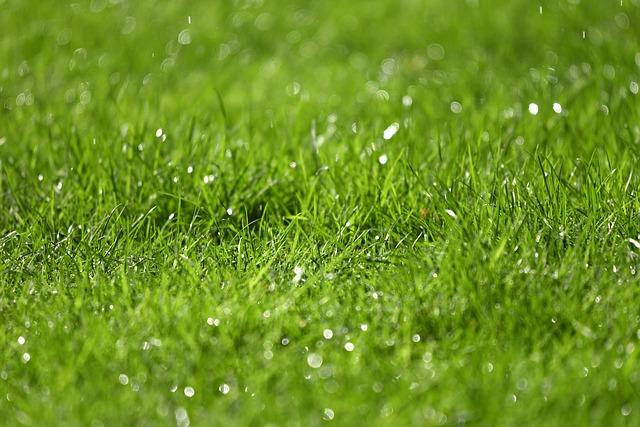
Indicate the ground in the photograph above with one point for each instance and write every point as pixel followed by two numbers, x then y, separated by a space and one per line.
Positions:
pixel 400 212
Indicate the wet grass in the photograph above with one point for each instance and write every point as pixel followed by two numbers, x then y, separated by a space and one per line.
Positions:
pixel 206 217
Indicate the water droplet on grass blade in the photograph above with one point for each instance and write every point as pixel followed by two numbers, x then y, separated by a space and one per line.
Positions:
pixel 184 38
pixel 383 159
pixel 391 130
pixel 533 109
pixel 328 414
pixel 298 273
pixel 314 360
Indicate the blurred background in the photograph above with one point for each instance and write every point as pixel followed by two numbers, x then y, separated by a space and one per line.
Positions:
pixel 123 61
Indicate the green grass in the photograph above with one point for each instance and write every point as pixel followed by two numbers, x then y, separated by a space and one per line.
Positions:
pixel 486 274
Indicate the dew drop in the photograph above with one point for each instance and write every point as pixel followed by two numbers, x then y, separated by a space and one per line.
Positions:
pixel 390 131
pixel 184 38
pixel 314 360
pixel 328 414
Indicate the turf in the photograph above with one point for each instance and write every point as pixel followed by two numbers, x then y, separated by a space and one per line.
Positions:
pixel 308 213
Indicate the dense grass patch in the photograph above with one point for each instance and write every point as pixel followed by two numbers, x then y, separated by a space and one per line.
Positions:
pixel 296 213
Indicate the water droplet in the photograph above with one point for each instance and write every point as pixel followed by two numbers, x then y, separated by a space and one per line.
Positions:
pixel 182 417
pixel 189 391
pixel 159 132
pixel 533 109
pixel 184 38
pixel 230 211
pixel 383 159
pixel 435 52
pixel 123 379
pixel 415 338
pixel 451 213
pixel 456 107
pixel 327 334
pixel 21 340
pixel 349 346
pixel 314 360
pixel 224 388
pixel 391 130
pixel 298 273
pixel 407 101
pixel 364 327
pixel 557 108
pixel 328 414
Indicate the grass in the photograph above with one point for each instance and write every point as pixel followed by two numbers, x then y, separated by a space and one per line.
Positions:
pixel 202 223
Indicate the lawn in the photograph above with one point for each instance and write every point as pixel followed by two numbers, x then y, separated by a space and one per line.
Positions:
pixel 259 212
